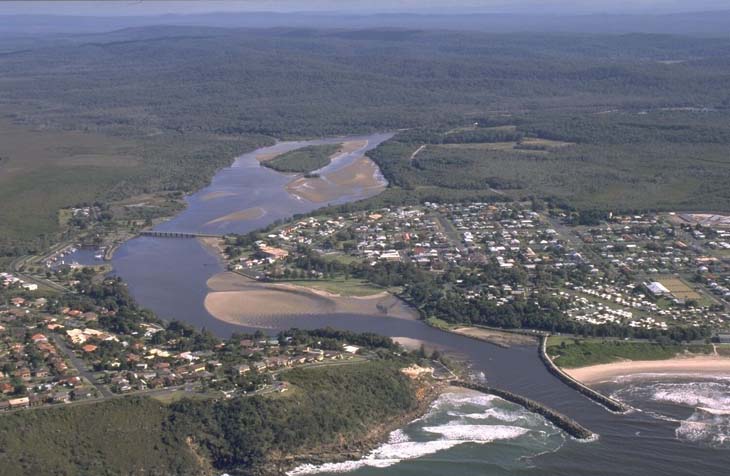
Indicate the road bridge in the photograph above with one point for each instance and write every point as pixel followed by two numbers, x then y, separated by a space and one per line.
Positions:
pixel 178 234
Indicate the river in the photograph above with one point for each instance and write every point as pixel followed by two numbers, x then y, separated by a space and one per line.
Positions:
pixel 682 426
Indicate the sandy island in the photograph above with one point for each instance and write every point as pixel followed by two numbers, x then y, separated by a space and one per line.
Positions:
pixel 253 213
pixel 703 365
pixel 214 195
pixel 361 174
pixel 239 300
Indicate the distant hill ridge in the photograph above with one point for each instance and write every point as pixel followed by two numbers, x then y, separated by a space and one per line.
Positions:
pixel 706 24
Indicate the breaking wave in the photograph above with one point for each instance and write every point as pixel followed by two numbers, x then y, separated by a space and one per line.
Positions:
pixel 448 420
pixel 709 423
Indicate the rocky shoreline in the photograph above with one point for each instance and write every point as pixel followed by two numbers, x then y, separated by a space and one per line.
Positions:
pixel 347 450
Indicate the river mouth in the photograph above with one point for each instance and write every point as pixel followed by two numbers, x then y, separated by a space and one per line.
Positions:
pixel 170 276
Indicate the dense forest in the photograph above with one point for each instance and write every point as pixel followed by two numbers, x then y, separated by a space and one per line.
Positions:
pixel 325 410
pixel 177 103
pixel 619 160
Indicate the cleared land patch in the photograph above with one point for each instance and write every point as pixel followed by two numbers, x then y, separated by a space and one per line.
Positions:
pixel 679 288
pixel 43 171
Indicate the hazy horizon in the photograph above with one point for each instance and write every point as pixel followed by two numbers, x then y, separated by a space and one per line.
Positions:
pixel 557 7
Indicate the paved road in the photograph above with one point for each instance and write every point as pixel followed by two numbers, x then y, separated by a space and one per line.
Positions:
pixel 80 365
pixel 17 263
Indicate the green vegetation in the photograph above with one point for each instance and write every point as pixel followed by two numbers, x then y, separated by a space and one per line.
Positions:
pixel 329 410
pixel 342 286
pixel 130 125
pixel 45 171
pixel 669 160
pixel 438 323
pixel 305 160
pixel 115 437
pixel 571 353
pixel 331 405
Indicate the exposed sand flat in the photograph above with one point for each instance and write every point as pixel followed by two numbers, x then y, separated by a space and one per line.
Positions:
pixel 268 156
pixel 247 214
pixel 495 337
pixel 704 365
pixel 216 245
pixel 214 195
pixel 345 148
pixel 351 146
pixel 314 189
pixel 361 174
pixel 239 300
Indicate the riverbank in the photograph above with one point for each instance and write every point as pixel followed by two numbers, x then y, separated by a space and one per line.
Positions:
pixel 696 366
pixel 239 300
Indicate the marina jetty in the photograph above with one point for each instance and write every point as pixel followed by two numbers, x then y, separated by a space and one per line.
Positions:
pixel 561 421
pixel 610 404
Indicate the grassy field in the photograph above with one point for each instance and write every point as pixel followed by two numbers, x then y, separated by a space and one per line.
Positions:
pixel 42 171
pixel 679 288
pixel 572 353
pixel 342 286
pixel 438 323
pixel 303 160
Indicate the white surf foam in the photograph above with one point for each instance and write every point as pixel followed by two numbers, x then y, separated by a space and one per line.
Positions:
pixel 476 433
pixel 709 424
pixel 400 446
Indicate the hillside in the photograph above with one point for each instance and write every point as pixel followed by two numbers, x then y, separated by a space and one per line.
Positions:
pixel 162 108
pixel 334 411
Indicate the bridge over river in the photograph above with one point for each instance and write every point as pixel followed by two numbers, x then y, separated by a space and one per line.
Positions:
pixel 178 234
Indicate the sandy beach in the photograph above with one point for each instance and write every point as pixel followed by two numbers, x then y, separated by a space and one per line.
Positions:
pixel 702 365
pixel 239 300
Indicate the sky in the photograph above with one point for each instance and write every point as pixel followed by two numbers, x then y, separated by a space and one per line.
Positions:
pixel 149 7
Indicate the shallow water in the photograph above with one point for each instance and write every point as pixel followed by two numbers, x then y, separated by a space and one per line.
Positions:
pixel 670 435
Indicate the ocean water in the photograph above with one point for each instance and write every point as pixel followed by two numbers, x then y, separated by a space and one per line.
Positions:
pixel 700 407
pixel 463 428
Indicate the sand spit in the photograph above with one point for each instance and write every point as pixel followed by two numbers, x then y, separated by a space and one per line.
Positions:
pixel 351 146
pixel 242 215
pixel 704 365
pixel 215 195
pixel 503 339
pixel 239 300
pixel 361 174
